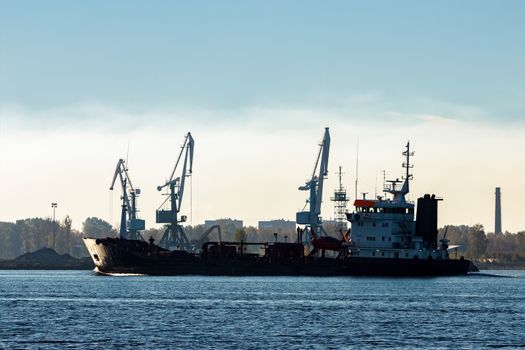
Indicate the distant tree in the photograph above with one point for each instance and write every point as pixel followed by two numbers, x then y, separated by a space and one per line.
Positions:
pixel 35 233
pixel 156 233
pixel 457 235
pixel 240 235
pixel 194 232
pixel 97 228
pixel 64 233
pixel 10 240
pixel 251 233
pixel 477 241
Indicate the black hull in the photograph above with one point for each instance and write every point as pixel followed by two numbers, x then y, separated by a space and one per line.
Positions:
pixel 112 258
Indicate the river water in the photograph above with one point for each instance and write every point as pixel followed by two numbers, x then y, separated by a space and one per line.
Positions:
pixel 78 309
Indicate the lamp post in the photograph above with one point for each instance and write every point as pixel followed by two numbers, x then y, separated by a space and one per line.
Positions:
pixel 54 206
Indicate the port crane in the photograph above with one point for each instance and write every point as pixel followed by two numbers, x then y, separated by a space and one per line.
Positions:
pixel 174 235
pixel 312 217
pixel 130 226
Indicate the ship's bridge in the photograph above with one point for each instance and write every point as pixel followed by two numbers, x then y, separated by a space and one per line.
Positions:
pixel 383 206
pixel 383 212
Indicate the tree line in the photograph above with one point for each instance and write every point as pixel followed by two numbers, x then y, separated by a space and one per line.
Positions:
pixel 477 245
pixel 28 235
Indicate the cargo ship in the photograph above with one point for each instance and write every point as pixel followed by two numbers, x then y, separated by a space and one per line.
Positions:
pixel 386 238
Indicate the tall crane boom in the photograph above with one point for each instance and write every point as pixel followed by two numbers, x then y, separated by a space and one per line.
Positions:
pixel 174 234
pixel 312 217
pixel 129 224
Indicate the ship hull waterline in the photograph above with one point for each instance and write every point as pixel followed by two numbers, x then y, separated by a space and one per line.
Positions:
pixel 111 259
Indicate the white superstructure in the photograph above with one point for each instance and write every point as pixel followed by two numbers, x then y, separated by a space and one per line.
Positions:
pixel 385 228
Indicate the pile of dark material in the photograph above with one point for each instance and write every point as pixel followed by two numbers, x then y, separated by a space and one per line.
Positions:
pixel 47 259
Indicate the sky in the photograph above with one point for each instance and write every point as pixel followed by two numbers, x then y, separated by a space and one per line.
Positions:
pixel 83 84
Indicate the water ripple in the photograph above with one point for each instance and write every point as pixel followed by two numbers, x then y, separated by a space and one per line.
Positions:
pixel 79 310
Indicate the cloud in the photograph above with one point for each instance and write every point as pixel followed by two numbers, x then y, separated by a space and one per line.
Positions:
pixel 369 108
pixel 436 119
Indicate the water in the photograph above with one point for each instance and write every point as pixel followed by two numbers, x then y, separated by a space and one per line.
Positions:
pixel 76 309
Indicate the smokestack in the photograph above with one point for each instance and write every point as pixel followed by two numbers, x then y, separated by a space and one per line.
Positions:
pixel 497 224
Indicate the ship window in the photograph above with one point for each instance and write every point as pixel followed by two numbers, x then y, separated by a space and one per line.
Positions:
pixel 96 257
pixel 389 239
pixel 383 238
pixel 374 224
pixel 406 254
pixel 382 253
pixel 373 253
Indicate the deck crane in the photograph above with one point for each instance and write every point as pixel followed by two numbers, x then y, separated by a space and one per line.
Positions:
pixel 174 235
pixel 312 218
pixel 130 226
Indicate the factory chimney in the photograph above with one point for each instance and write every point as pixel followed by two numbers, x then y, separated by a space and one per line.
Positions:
pixel 497 224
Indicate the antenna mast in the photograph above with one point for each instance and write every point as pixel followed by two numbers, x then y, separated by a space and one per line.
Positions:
pixel 407 166
pixel 356 168
pixel 340 200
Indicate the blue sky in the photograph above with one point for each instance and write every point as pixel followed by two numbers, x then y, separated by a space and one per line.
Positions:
pixel 232 54
pixel 256 82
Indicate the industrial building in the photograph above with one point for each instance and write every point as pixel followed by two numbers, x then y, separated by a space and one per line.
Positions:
pixel 284 225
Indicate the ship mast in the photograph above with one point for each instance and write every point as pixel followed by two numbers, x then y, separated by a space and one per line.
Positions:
pixel 407 166
pixel 399 194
